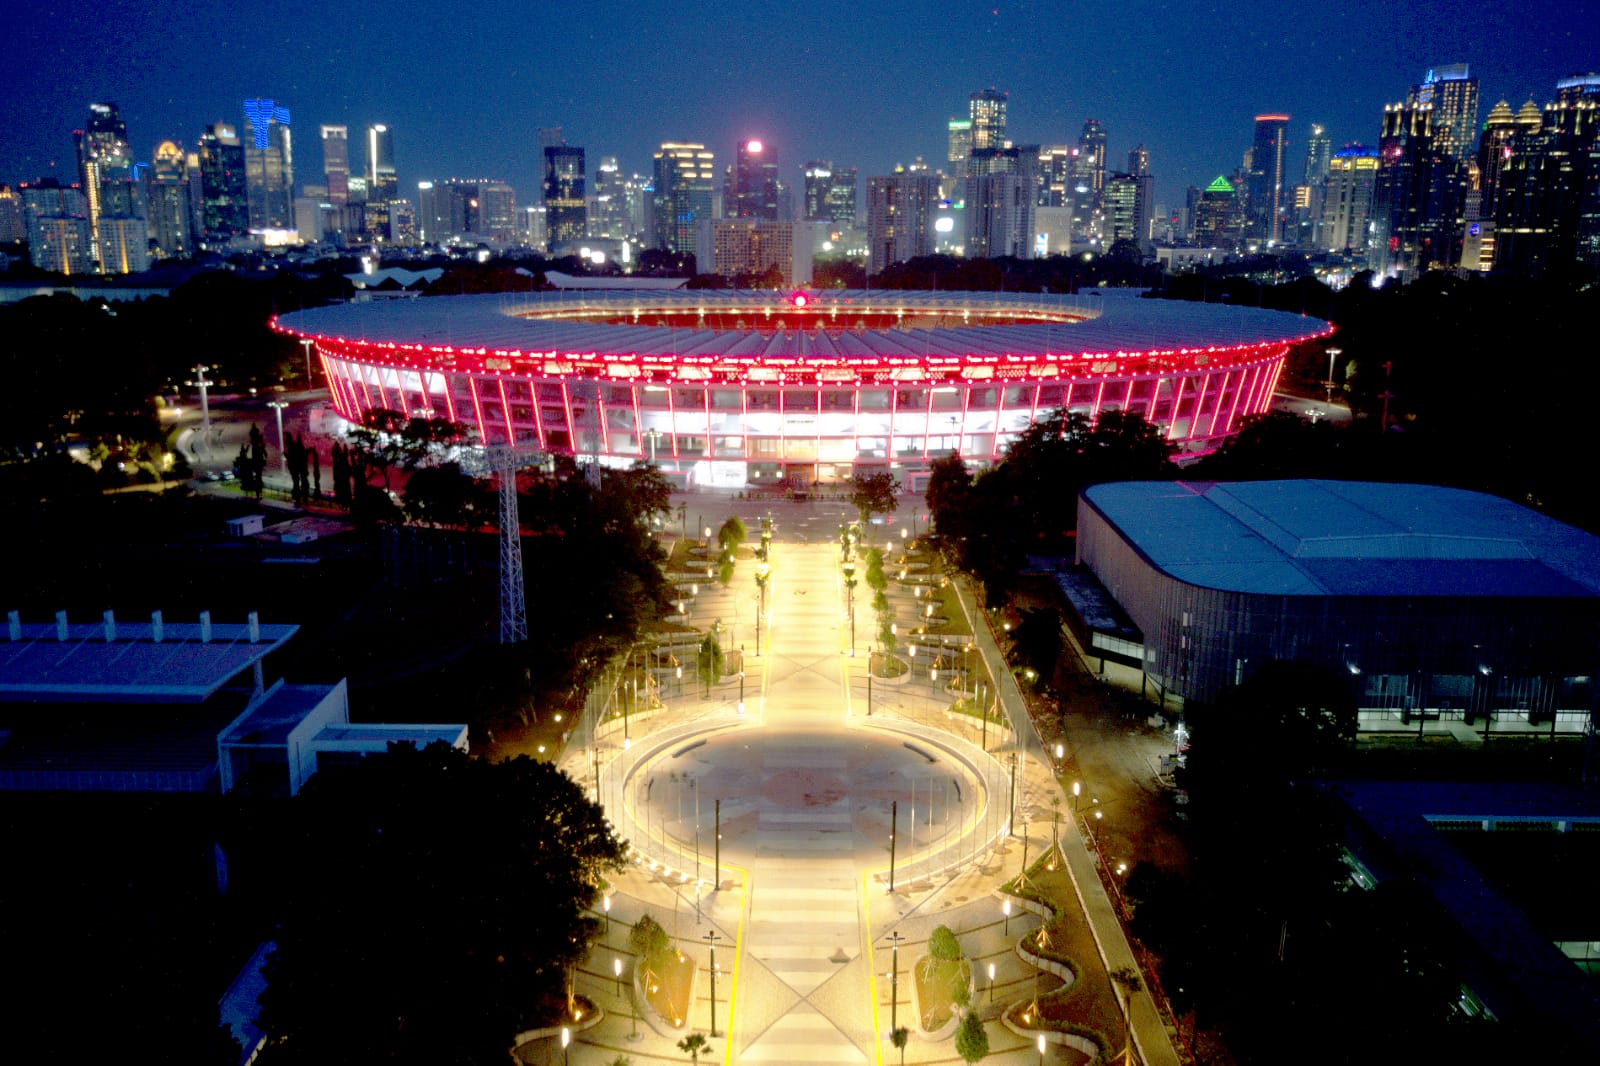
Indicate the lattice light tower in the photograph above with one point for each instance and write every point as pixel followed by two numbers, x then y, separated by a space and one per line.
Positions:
pixel 504 460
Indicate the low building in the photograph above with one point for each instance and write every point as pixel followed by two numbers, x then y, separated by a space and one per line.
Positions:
pixel 171 707
pixel 1447 610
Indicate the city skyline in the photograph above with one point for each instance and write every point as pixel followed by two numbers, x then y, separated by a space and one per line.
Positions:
pixel 1185 84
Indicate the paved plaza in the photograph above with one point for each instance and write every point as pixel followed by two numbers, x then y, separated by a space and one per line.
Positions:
pixel 797 896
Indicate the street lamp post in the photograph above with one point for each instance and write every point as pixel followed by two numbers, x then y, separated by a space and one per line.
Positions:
pixel 1005 908
pixel 991 983
pixel 205 404
pixel 894 981
pixel 616 970
pixel 712 938
pixel 566 1045
pixel 850 598
pixel 277 410
pixel 308 343
pixel 763 571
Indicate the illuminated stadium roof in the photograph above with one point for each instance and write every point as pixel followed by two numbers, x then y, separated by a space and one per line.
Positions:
pixel 1349 538
pixel 831 325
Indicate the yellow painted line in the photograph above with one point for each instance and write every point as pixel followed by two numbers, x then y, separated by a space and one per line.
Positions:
pixel 872 966
pixel 738 963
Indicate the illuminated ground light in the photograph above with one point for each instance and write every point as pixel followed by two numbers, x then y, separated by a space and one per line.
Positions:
pixel 727 388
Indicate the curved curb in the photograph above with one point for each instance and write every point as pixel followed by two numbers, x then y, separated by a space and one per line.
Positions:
pixel 1054 1036
pixel 947 1030
pixel 589 1021
pixel 652 1017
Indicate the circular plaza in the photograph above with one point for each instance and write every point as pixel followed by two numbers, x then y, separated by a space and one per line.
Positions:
pixel 737 388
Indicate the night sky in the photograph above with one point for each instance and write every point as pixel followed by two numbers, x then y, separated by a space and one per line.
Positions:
pixel 465 86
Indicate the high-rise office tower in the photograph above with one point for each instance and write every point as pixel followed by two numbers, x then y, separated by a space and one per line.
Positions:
pixel 167 194
pixel 1145 194
pixel 1265 192
pixel 268 164
pixel 816 183
pixel 224 209
pixel 1121 205
pixel 382 183
pixel 609 215
pixel 105 168
pixel 1055 175
pixel 959 131
pixel 565 187
pixel 1418 197
pixel 1494 151
pixel 1452 93
pixel 754 193
pixel 986 109
pixel 1547 207
pixel 433 213
pixel 900 210
pixel 685 180
pixel 1213 214
pixel 1092 153
pixel 336 163
pixel 1347 203
pixel 1319 151
pixel 841 209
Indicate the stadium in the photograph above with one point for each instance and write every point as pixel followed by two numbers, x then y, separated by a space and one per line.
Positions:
pixel 730 389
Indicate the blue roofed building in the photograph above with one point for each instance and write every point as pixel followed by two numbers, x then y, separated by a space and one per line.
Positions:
pixel 1448 610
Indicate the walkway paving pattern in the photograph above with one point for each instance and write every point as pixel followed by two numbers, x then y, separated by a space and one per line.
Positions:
pixel 806 783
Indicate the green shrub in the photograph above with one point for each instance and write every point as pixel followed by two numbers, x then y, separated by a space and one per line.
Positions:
pixel 944 945
pixel 972 1040
pixel 649 941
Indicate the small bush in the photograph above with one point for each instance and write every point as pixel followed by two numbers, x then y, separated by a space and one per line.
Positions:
pixel 944 945
pixel 649 941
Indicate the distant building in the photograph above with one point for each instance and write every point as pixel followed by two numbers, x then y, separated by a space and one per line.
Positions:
pixel 382 183
pixel 1001 196
pixel 959 131
pixel 224 205
pixel 167 195
pixel 1547 194
pixel 754 192
pixel 1213 215
pixel 685 180
pixel 565 181
pixel 268 165
pixel 1419 197
pixel 830 193
pixel 105 172
pixel 1265 194
pixel 124 245
pixel 608 214
pixel 13 221
pixel 1347 203
pixel 58 227
pixel 900 211
pixel 986 109
pixel 734 246
pixel 1452 94
pixel 336 163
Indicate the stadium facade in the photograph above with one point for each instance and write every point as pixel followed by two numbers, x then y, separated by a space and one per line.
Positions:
pixel 1446 610
pixel 733 388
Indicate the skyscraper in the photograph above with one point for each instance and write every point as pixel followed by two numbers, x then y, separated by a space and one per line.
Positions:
pixel 900 210
pixel 58 227
pixel 1213 214
pixel 1265 192
pixel 1347 204
pixel 609 218
pixel 685 177
pixel 105 168
pixel 382 183
pixel 1452 93
pixel 986 109
pixel 565 186
pixel 1547 207
pixel 1319 150
pixel 1418 197
pixel 959 131
pixel 1001 197
pixel 1092 153
pixel 336 163
pixel 755 182
pixel 268 165
pixel 224 211
pixel 842 197
pixel 1494 151
pixel 167 194
pixel 1144 194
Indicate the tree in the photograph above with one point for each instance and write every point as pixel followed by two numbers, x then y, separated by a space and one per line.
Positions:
pixel 949 486
pixel 708 660
pixel 433 905
pixel 1037 639
pixel 731 533
pixel 942 944
pixel 444 496
pixel 972 1039
pixel 899 1037
pixel 694 1045
pixel 872 494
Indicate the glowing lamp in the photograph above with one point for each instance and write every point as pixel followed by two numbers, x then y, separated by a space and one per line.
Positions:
pixel 753 147
pixel 799 299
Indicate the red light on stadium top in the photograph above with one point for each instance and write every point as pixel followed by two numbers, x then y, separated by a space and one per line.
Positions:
pixel 799 299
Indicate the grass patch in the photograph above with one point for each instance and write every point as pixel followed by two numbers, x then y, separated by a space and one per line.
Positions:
pixel 942 985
